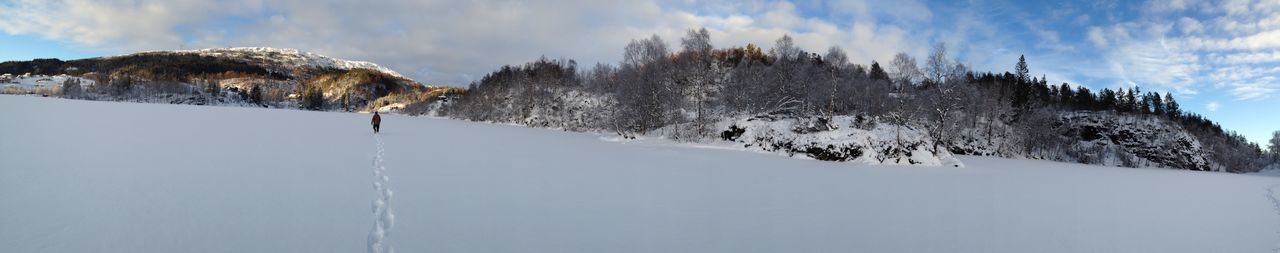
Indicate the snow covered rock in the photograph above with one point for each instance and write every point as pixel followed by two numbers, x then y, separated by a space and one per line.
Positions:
pixel 839 139
pixel 1152 140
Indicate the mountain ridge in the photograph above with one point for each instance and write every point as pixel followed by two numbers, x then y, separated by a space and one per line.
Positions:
pixel 272 77
pixel 293 57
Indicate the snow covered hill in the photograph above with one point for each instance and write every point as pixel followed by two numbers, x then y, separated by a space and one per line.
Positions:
pixel 259 76
pixel 287 57
pixel 36 84
pixel 87 176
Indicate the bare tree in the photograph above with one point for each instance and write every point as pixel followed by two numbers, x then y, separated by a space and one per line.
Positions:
pixel 786 49
pixel 938 66
pixel 644 51
pixel 697 41
pixel 600 78
pixel 1274 144
pixel 698 77
pixel 901 116
pixel 644 87
pixel 788 94
pixel 839 63
pixel 836 58
pixel 903 70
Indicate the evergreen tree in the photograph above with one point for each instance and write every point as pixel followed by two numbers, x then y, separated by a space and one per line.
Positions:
pixel 1157 104
pixel 1084 99
pixel 1065 95
pixel 877 73
pixel 1144 104
pixel 1128 102
pixel 1021 68
pixel 312 98
pixel 1170 106
pixel 71 88
pixel 1108 100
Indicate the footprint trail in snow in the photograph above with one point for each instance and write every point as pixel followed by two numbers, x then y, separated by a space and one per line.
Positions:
pixel 383 217
pixel 1273 194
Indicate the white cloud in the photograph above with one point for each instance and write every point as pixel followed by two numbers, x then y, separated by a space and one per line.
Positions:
pixel 130 24
pixel 1247 82
pixel 1137 54
pixel 1162 6
pixel 1082 19
pixel 1189 25
pixel 1212 106
pixel 1252 91
pixel 1227 45
pixel 452 42
pixel 1049 39
pixel 1095 35
pixel 1224 76
pixel 911 11
pixel 782 15
pixel 1246 58
pixel 1258 41
pixel 1247 25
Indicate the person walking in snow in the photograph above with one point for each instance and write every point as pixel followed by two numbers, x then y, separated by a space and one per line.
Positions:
pixel 377 120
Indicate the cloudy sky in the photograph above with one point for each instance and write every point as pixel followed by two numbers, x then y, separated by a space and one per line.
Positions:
pixel 1220 58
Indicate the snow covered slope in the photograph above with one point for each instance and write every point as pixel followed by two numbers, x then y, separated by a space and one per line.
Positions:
pixel 85 176
pixel 29 82
pixel 285 57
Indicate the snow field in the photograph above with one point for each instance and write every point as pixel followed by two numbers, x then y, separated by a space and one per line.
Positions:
pixel 86 176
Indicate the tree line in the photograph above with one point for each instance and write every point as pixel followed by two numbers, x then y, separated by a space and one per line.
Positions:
pixel 684 91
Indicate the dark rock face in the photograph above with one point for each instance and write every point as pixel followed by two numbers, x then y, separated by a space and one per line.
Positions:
pixel 1158 141
pixel 732 133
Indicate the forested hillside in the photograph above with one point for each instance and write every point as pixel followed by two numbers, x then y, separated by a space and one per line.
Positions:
pixel 820 105
pixel 782 100
pixel 284 78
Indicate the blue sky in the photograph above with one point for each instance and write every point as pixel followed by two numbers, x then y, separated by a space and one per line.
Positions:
pixel 1220 58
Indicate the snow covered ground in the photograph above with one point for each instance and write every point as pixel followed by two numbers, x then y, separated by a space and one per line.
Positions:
pixel 1268 172
pixel 32 82
pixel 87 176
